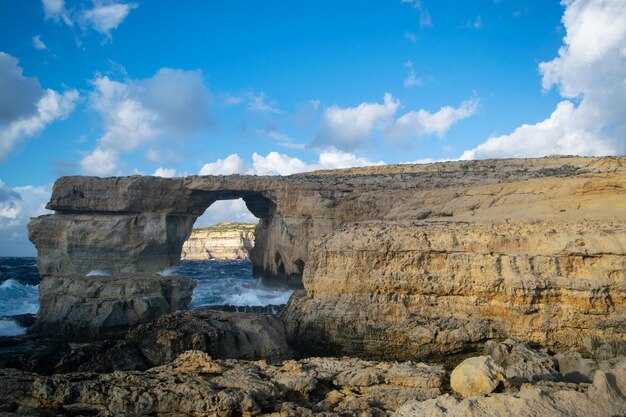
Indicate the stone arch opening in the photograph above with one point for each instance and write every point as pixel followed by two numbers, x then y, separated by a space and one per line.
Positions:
pixel 225 231
pixel 259 207
pixel 225 254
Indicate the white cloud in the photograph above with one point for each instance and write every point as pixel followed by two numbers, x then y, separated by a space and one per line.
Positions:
pixel 347 128
pixel 101 162
pixel 421 122
pixel 334 159
pixel 257 102
pixel 281 139
pixel 275 163
pixel 174 104
pixel 25 108
pixel 17 206
pixel 164 172
pixel 590 74
pixel 38 43
pixel 423 14
pixel 55 9
pixel 232 164
pixel 106 17
pixel 411 80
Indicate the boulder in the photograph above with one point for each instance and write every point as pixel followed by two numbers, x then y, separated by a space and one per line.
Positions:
pixel 223 335
pixel 476 376
pixel 83 308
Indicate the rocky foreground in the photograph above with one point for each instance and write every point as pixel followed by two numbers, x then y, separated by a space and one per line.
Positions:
pixel 171 368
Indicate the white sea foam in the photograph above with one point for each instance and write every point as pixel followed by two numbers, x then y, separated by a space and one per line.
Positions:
pixel 97 273
pixel 238 292
pixel 169 271
pixel 11 328
pixel 16 298
pixel 258 297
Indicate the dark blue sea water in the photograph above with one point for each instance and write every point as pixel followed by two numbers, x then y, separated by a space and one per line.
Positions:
pixel 219 283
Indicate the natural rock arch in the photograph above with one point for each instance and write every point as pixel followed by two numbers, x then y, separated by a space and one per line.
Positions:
pixel 402 261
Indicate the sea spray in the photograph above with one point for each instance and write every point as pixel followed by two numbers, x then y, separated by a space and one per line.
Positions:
pixel 10 328
pixel 17 298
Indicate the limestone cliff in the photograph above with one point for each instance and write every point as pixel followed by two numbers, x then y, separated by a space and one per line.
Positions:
pixel 225 240
pixel 402 261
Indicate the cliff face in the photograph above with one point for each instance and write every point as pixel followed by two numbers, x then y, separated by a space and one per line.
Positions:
pixel 541 260
pixel 399 261
pixel 221 241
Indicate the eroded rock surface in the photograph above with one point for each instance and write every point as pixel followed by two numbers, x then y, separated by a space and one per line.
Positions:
pixel 195 384
pixel 89 307
pixel 476 376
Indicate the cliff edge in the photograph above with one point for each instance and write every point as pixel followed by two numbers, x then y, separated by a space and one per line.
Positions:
pixel 226 240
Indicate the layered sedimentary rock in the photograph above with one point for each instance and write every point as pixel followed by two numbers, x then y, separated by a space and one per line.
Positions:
pixel 221 241
pixel 87 307
pixel 403 261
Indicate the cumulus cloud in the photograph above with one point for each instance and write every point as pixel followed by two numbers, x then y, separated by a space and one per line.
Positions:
pixel 275 163
pixel 232 164
pixel 349 128
pixel 421 122
pixel 164 172
pixel 590 74
pixel 17 206
pixel 172 104
pixel 25 108
pixel 103 16
pixel 19 94
pixel 55 9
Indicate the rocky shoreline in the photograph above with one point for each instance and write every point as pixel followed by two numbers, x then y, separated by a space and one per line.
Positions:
pixel 214 363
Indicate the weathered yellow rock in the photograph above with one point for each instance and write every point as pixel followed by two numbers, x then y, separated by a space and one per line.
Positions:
pixel 476 376
pixel 221 241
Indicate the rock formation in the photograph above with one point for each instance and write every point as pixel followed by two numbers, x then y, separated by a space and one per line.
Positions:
pixel 195 384
pixel 221 241
pixel 404 262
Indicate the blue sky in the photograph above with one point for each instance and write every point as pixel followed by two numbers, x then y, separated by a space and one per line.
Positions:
pixel 148 87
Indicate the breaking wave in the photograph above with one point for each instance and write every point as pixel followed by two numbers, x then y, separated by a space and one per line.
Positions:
pixel 17 298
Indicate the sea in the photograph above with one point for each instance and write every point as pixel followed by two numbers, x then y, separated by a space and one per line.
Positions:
pixel 219 283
